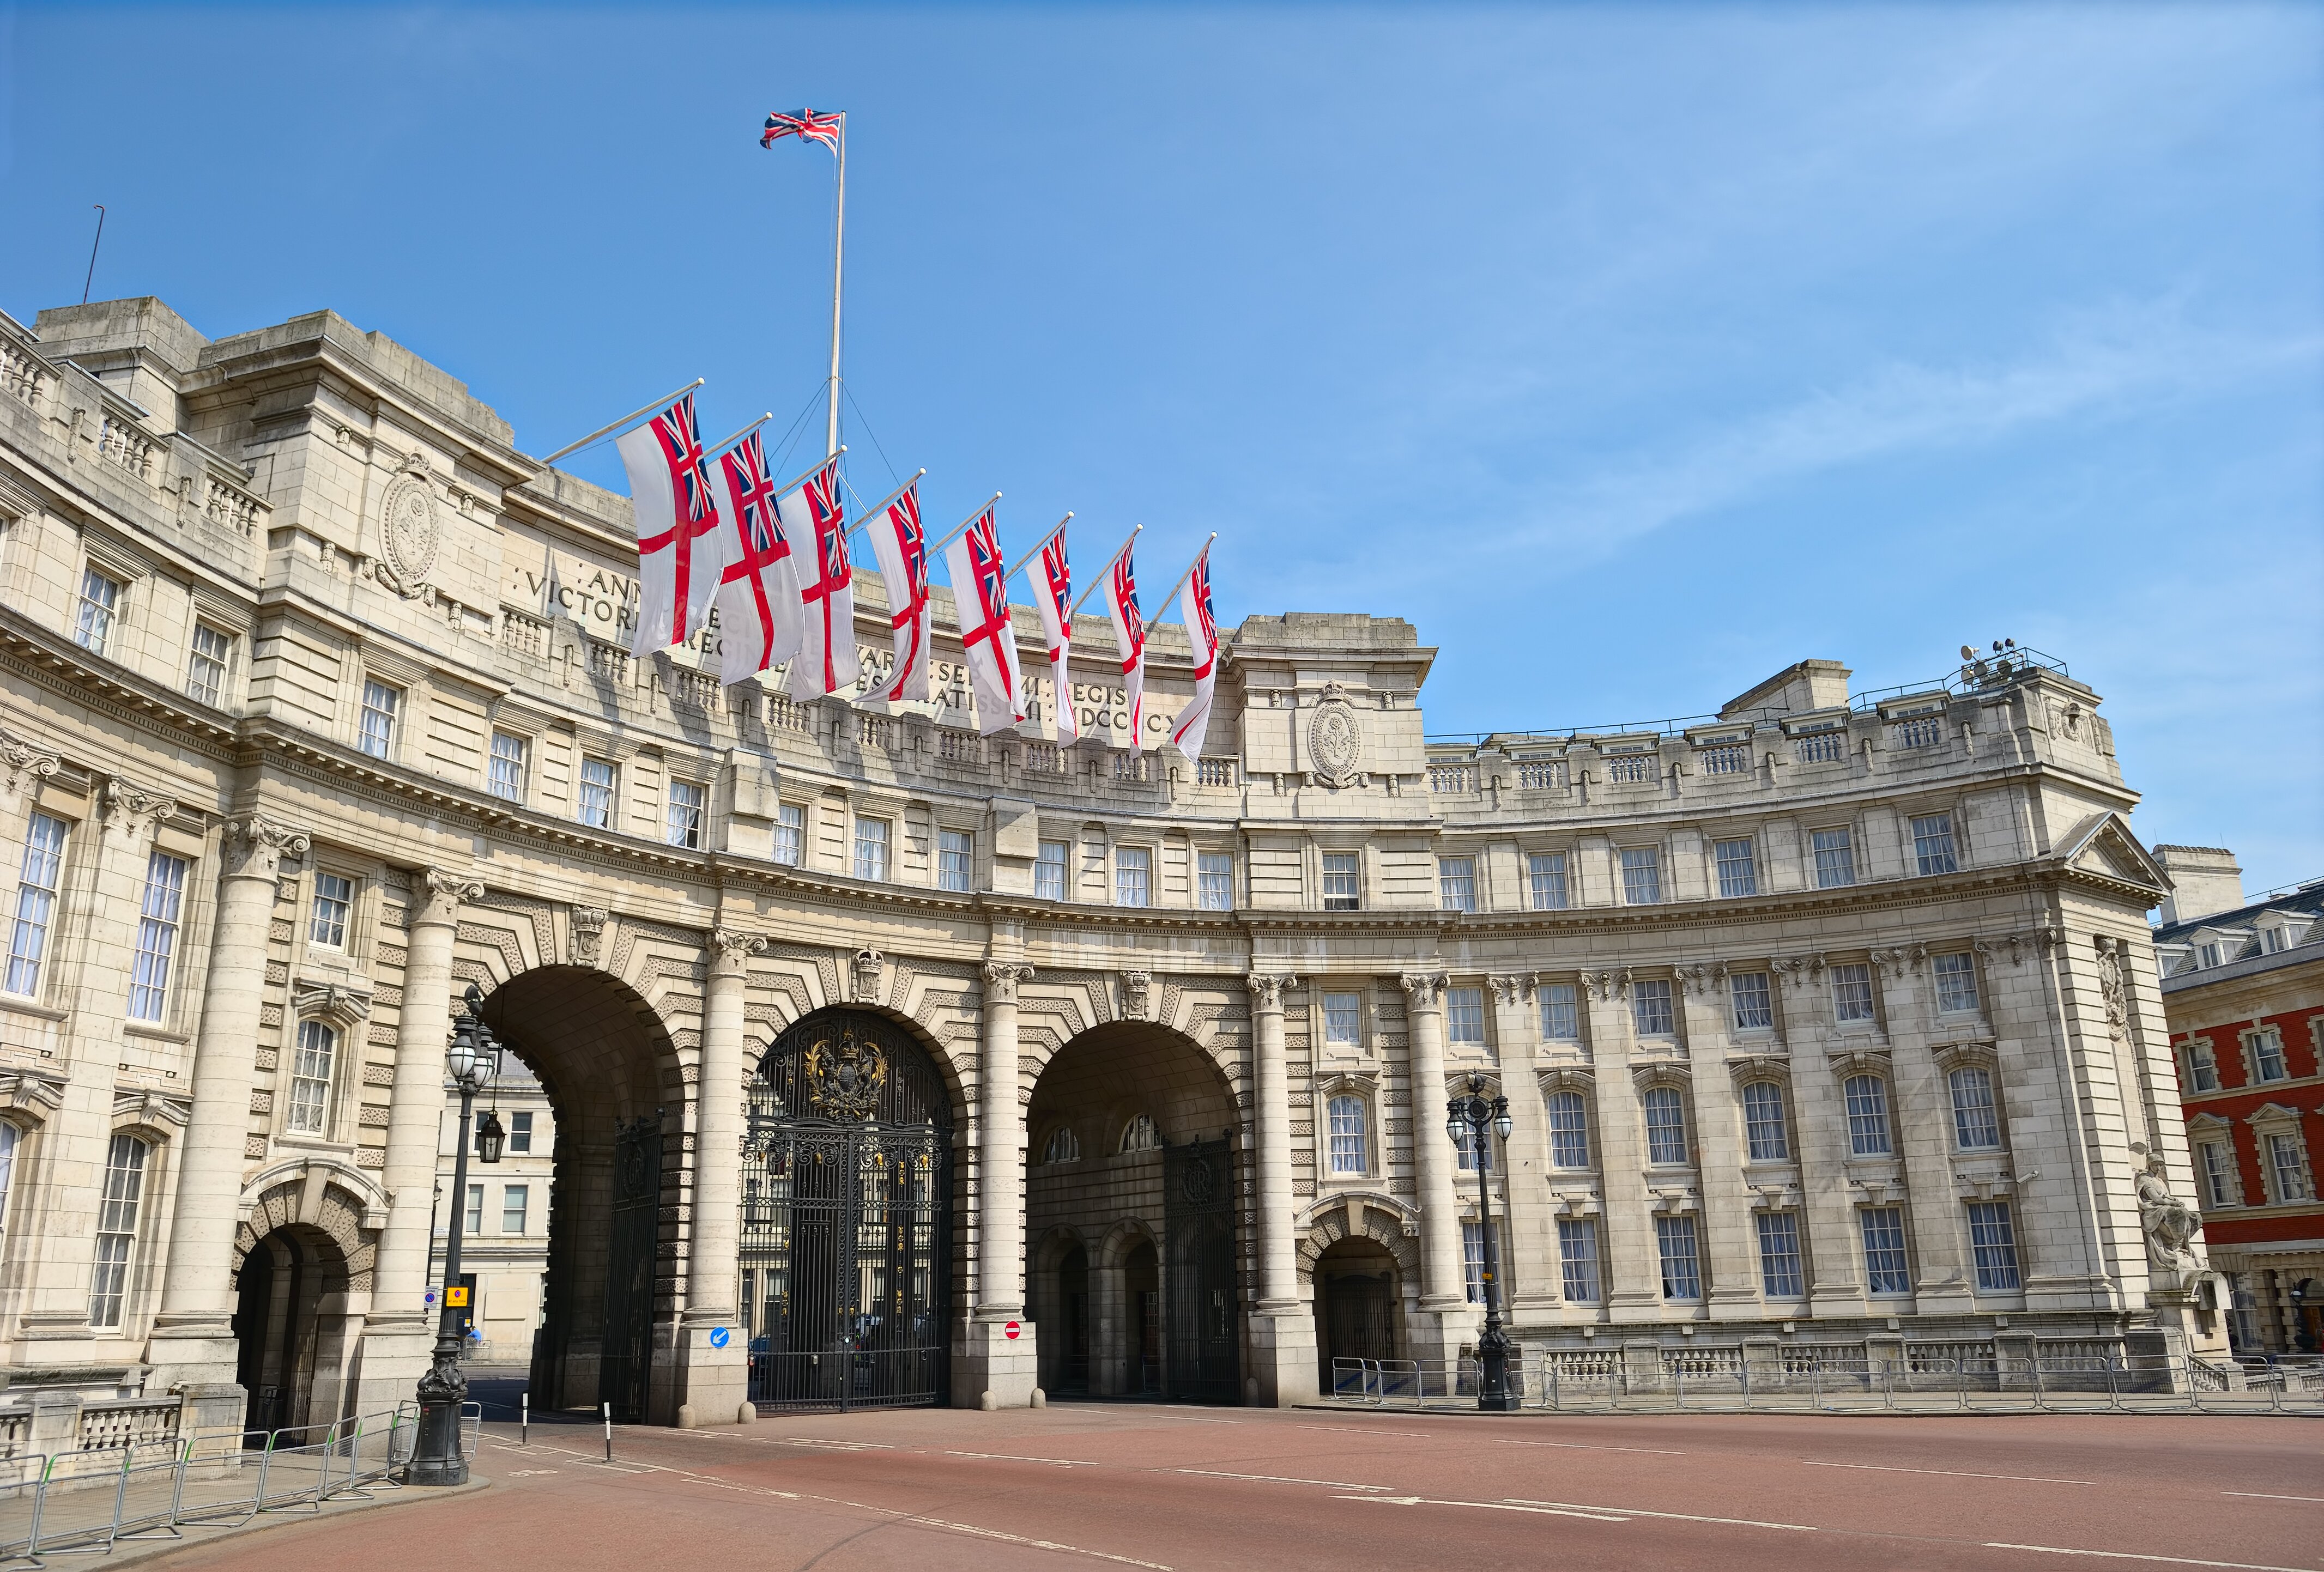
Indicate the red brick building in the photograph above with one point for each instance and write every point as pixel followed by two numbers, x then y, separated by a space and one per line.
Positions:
pixel 2243 985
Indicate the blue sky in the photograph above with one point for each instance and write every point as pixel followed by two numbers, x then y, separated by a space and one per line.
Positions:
pixel 1631 353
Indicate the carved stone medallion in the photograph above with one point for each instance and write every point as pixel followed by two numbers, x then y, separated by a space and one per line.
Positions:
pixel 1335 742
pixel 409 533
pixel 844 1077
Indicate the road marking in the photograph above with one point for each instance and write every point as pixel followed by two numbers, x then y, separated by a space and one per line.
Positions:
pixel 1368 1431
pixel 529 1473
pixel 1951 1473
pixel 2264 1496
pixel 836 1446
pixel 1684 1517
pixel 1011 1457
pixel 2134 1555
pixel 1603 1517
pixel 1591 1447
pixel 1277 1479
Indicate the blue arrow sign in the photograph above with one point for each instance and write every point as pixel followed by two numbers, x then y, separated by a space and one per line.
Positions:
pixel 717 1337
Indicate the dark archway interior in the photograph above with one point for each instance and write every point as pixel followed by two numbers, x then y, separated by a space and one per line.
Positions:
pixel 1359 1306
pixel 290 1320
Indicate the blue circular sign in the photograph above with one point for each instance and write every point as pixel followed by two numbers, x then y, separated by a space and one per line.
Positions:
pixel 717 1337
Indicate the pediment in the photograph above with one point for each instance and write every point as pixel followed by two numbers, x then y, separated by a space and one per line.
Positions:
pixel 2103 845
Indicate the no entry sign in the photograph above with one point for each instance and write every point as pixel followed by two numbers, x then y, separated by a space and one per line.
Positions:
pixel 1011 1330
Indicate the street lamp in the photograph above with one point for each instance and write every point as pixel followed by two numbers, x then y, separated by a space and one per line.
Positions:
pixel 435 1455
pixel 1473 1116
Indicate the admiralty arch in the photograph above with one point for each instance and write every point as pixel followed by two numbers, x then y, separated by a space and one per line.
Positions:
pixel 891 1062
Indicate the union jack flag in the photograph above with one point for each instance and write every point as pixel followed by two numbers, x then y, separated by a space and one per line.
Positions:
pixel 806 125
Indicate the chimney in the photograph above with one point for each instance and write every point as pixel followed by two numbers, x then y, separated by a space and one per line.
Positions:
pixel 2204 881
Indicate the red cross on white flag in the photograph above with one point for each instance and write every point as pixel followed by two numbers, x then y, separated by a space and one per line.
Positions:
pixel 1203 633
pixel 815 519
pixel 1129 636
pixel 1053 597
pixel 682 551
pixel 901 545
pixel 758 622
pixel 980 591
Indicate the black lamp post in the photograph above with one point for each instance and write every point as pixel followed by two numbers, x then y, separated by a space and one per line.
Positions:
pixel 1477 1117
pixel 436 1456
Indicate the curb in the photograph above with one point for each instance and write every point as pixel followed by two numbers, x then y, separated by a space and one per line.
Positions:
pixel 129 1553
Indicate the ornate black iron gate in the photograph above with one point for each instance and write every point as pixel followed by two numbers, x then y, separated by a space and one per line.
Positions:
pixel 847 1257
pixel 1205 1288
pixel 625 1357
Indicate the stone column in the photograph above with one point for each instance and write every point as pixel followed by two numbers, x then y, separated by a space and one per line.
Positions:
pixel 1633 1264
pixel 193 1337
pixel 995 1369
pixel 1531 1278
pixel 1726 1234
pixel 401 1337
pixel 1919 1130
pixel 717 1380
pixel 1442 1290
pixel 1282 1332
pixel 1828 1202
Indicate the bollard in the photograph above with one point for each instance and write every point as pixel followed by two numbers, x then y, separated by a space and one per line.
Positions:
pixel 609 1432
pixel 524 1418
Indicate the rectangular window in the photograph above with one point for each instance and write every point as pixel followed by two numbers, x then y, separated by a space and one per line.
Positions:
pixel 1464 1014
pixel 474 1222
pixel 1561 1015
pixel 1835 859
pixel 1779 1255
pixel 597 781
pixel 1738 871
pixel 505 779
pixel 872 849
pixel 1851 992
pixel 2202 1068
pixel 1216 871
pixel 1456 881
pixel 39 874
pixel 2267 1055
pixel 1933 842
pixel 157 936
pixel 791 834
pixel 1868 1116
pixel 1665 1125
pixel 375 729
pixel 516 1201
pixel 1133 876
pixel 1956 982
pixel 1754 1006
pixel 1546 870
pixel 206 664
pixel 1343 1017
pixel 1642 875
pixel 1343 881
pixel 1577 1258
pixel 310 1079
pixel 2291 1172
pixel 1050 871
pixel 1569 1130
pixel 334 898
pixel 100 602
pixel 1977 1124
pixel 2219 1174
pixel 682 818
pixel 955 859
pixel 116 1229
pixel 1650 1006
pixel 1681 1277
pixel 1763 1122
pixel 520 1135
pixel 1472 1259
pixel 1885 1270
pixel 1347 1129
pixel 1993 1241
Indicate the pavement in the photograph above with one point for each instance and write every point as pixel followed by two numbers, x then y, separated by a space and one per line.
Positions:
pixel 1093 1485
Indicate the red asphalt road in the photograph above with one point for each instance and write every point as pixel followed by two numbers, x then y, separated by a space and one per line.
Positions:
pixel 1098 1485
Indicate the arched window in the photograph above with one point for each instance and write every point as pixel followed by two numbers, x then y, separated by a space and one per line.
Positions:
pixel 1977 1126
pixel 9 1137
pixel 1868 1116
pixel 1346 1116
pixel 117 1228
pixel 310 1079
pixel 1063 1146
pixel 1569 1130
pixel 1665 1125
pixel 1763 1122
pixel 1141 1136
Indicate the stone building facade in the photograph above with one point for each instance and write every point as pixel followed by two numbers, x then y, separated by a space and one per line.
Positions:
pixel 1822 1019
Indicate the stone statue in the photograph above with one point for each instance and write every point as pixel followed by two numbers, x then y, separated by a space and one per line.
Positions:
pixel 2168 1221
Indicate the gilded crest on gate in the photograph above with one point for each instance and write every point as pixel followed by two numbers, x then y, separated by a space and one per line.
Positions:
pixel 844 1076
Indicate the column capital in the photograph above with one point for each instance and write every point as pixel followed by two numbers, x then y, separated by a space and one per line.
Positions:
pixel 1514 987
pixel 732 950
pixel 1424 990
pixel 24 760
pixel 1001 980
pixel 132 810
pixel 1267 987
pixel 441 891
pixel 255 846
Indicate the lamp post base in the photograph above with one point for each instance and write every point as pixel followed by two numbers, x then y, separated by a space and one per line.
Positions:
pixel 436 1456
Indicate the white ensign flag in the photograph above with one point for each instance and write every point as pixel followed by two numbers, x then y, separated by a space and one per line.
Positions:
pixel 1129 636
pixel 815 519
pixel 682 551
pixel 1203 632
pixel 1053 597
pixel 980 593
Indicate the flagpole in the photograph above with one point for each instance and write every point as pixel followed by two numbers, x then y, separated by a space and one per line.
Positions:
pixel 800 479
pixel 882 506
pixel 723 443
pixel 1104 571
pixel 1037 546
pixel 636 414
pixel 1188 574
pixel 962 528
pixel 838 244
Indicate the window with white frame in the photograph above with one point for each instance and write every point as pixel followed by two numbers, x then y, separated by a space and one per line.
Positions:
pixel 2266 1049
pixel 1851 992
pixel 2218 1161
pixel 1763 1123
pixel 1133 876
pixel 1650 1006
pixel 1755 1004
pixel 1569 1130
pixel 1665 1125
pixel 1681 1272
pixel 791 834
pixel 1050 871
pixel 505 774
pixel 1141 1134
pixel 1577 1258
pixel 9 1137
pixel 100 605
pixel 208 659
pixel 382 704
pixel 1993 1245
pixel 2287 1167
pixel 1835 858
pixel 1885 1270
pixel 1977 1122
pixel 1642 875
pixel 1464 1014
pixel 1738 871
pixel 1345 1116
pixel 1868 1116
pixel 1956 982
pixel 598 780
pixel 2202 1065
pixel 1779 1255
pixel 1062 1147
pixel 955 859
pixel 1456 883
pixel 1215 872
pixel 1545 871
pixel 1472 1258
pixel 37 879
pixel 1933 843
pixel 313 1056
pixel 872 849
pixel 117 1228
pixel 519 1134
pixel 682 814
pixel 1561 1013
pixel 516 1201
pixel 1344 1019
pixel 1474 1152
pixel 1343 880
pixel 157 936
pixel 327 918
pixel 474 1222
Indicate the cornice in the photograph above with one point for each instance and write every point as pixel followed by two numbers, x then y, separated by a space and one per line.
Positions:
pixel 64 669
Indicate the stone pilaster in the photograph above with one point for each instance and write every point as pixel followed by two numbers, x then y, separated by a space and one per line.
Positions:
pixel 1282 1332
pixel 1920 1128
pixel 1532 1276
pixel 717 1380
pixel 1633 1264
pixel 1725 1235
pixel 1444 1313
pixel 1827 1199
pixel 992 1369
